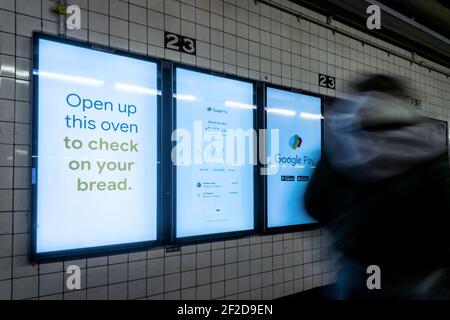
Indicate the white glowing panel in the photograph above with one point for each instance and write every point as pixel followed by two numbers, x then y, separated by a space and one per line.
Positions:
pixel 96 165
pixel 298 119
pixel 214 170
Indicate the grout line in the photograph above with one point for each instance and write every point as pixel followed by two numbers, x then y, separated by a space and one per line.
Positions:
pixel 14 140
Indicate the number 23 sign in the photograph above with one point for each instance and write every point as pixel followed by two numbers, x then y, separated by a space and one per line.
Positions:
pixel 327 81
pixel 180 43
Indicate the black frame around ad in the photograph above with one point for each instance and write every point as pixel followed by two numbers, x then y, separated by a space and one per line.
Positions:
pixel 224 235
pixel 166 207
pixel 295 227
pixel 99 250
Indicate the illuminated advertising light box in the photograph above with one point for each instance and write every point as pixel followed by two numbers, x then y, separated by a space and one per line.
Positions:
pixel 293 151
pixel 95 149
pixel 213 155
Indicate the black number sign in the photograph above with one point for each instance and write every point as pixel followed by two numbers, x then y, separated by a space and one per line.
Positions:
pixel 327 81
pixel 180 43
pixel 417 103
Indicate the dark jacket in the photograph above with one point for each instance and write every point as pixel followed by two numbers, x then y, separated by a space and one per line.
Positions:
pixel 384 213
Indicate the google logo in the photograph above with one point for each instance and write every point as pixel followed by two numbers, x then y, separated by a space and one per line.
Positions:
pixel 295 142
pixel 288 160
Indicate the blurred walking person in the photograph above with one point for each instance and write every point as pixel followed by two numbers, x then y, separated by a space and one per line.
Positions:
pixel 382 188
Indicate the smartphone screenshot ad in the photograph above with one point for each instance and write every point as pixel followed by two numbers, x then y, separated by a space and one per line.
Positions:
pixel 299 121
pixel 214 173
pixel 96 167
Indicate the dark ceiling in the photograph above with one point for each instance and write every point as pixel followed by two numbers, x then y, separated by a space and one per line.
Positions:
pixel 432 14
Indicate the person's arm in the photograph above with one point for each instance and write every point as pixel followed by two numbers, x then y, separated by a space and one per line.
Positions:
pixel 441 175
pixel 320 191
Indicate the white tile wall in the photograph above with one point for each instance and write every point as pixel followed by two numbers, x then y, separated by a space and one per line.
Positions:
pixel 236 37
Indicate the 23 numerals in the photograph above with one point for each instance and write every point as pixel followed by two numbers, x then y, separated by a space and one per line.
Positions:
pixel 180 43
pixel 327 81
pixel 417 103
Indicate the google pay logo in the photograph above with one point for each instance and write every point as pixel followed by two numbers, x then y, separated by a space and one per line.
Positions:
pixel 295 142
pixel 217 110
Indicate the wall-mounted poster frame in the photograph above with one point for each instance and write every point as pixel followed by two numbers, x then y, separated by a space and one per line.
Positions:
pixel 176 189
pixel 280 227
pixel 61 248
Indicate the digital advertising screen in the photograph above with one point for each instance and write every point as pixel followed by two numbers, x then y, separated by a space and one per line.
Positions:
pixel 291 158
pixel 95 148
pixel 213 154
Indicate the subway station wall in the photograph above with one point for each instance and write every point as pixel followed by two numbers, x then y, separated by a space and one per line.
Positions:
pixel 234 37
